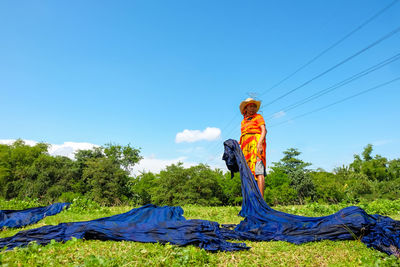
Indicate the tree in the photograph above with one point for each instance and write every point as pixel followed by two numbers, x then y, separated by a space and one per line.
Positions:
pixel 232 189
pixel 297 173
pixel 177 185
pixel 142 187
pixel 394 169
pixel 328 188
pixel 125 156
pixel 104 172
pixel 202 187
pixel 367 152
pixel 107 182
pixel 290 162
pixel 375 168
pixel 278 189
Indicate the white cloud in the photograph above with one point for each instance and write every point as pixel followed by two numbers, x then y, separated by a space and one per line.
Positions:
pixel 10 141
pixel 190 136
pixel 154 165
pixel 279 114
pixel 66 149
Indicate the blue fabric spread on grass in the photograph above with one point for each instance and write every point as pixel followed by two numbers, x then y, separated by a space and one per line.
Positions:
pixel 262 223
pixel 166 224
pixel 20 218
pixel 145 224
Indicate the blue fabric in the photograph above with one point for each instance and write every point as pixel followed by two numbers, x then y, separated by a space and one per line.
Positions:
pixel 145 224
pixel 20 218
pixel 261 223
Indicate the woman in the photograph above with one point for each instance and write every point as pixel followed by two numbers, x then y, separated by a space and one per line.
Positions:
pixel 252 140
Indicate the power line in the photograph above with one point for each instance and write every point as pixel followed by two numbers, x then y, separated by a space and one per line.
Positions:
pixel 340 84
pixel 337 102
pixel 376 15
pixel 367 21
pixel 325 91
pixel 390 34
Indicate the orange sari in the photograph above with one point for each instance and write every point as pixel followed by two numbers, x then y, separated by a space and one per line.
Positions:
pixel 250 134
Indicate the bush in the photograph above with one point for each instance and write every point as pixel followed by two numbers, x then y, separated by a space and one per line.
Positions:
pixel 86 205
pixel 69 197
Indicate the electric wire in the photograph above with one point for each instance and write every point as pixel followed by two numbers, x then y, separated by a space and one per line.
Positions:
pixel 367 21
pixel 337 102
pixel 329 89
pixel 386 36
pixel 373 17
pixel 376 15
pixel 338 85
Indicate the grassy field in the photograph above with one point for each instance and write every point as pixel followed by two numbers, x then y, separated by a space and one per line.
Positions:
pixel 98 253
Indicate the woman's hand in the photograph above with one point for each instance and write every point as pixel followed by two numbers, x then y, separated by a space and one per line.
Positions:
pixel 259 148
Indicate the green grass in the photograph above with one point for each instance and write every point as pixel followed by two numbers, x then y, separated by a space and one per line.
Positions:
pixel 109 253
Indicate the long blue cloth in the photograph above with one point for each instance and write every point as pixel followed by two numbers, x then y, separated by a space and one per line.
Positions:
pixel 20 218
pixel 261 223
pixel 145 224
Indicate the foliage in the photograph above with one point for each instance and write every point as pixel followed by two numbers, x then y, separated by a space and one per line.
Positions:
pixel 141 187
pixel 293 169
pixel 15 204
pixel 84 205
pixel 232 189
pixel 290 162
pixel 278 189
pixel 195 185
pixel 327 188
pixel 100 174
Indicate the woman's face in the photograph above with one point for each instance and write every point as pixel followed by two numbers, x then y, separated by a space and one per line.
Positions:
pixel 251 109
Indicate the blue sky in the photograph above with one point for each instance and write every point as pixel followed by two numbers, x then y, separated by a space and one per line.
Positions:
pixel 141 72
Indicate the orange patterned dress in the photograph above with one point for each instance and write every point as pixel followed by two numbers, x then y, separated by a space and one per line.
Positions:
pixel 250 134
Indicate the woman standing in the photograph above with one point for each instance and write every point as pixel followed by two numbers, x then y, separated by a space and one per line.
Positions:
pixel 252 140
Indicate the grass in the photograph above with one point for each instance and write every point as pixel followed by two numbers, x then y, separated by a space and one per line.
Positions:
pixel 109 253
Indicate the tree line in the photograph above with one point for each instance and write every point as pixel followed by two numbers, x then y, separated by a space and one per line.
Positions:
pixel 102 174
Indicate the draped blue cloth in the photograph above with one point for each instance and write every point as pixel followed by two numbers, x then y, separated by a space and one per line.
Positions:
pixel 20 218
pixel 261 223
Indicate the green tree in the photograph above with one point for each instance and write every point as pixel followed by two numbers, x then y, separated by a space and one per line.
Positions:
pixel 125 156
pixel 290 162
pixel 104 173
pixel 106 180
pixel 328 188
pixel 141 188
pixel 170 185
pixel 232 189
pixel 367 152
pixel 394 169
pixel 177 185
pixel 297 173
pixel 375 168
pixel 202 187
pixel 278 190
